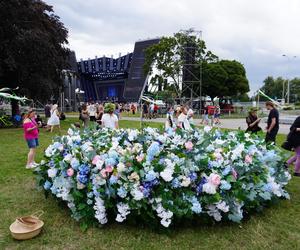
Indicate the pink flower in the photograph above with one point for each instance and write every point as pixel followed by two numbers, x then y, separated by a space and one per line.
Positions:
pixel 215 179
pixel 140 158
pixel 188 145
pixel 96 159
pixel 234 174
pixel 103 173
pixel 70 172
pixel 248 159
pixel 108 169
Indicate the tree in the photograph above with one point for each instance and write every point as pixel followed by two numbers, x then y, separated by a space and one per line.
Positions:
pixel 32 48
pixel 165 60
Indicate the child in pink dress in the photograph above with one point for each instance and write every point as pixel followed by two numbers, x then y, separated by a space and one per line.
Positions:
pixel 31 135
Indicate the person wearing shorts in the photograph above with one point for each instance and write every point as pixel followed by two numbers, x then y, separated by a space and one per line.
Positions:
pixel 31 135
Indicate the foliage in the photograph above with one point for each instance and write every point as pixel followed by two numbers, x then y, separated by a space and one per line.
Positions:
pixel 165 59
pixel 32 48
pixel 152 177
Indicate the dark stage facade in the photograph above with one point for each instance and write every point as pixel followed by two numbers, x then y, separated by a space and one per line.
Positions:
pixel 115 79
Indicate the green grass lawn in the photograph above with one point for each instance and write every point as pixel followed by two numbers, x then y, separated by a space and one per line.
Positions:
pixel 275 228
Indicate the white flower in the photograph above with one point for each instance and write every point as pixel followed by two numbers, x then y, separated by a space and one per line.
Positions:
pixel 70 132
pixel 123 210
pixel 137 194
pixel 221 205
pixel 209 188
pixel 186 181
pixel 68 158
pixel 121 167
pixel 99 164
pixel 52 172
pixel 167 174
pixel 100 212
pixel 132 134
pixel 214 212
pixel 207 129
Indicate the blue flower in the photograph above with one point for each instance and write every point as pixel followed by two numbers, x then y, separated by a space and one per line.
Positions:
pixel 113 154
pixel 47 185
pixel 200 185
pixel 175 183
pixel 82 178
pixel 226 171
pixel 193 176
pixel 152 151
pixel 225 185
pixel 150 176
pixel 122 192
pixel 110 162
pixel 196 207
pixel 113 180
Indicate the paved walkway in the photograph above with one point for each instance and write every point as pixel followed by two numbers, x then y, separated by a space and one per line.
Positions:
pixel 225 123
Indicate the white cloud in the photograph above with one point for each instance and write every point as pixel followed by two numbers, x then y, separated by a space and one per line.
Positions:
pixel 255 32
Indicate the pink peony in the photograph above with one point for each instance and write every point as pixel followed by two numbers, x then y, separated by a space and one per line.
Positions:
pixel 103 173
pixel 70 172
pixel 248 159
pixel 96 159
pixel 234 174
pixel 188 145
pixel 215 179
pixel 108 169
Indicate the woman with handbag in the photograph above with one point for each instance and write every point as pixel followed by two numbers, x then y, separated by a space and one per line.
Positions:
pixel 293 141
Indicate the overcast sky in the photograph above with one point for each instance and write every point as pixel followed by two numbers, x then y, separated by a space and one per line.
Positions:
pixel 254 32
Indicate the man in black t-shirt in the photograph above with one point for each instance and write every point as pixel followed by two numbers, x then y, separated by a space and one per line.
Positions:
pixel 273 122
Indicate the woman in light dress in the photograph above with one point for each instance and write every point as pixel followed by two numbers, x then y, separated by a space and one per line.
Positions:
pixel 182 121
pixel 54 118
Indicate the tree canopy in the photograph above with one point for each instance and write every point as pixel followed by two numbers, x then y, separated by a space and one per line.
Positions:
pixel 165 61
pixel 32 48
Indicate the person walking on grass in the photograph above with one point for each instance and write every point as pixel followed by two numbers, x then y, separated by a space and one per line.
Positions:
pixel 272 123
pixel 31 135
pixel 54 119
pixel 293 140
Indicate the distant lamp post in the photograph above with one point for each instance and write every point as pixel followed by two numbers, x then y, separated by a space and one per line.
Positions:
pixel 288 80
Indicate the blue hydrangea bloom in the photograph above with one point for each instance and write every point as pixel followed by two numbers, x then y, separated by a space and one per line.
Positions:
pixel 193 176
pixel 122 192
pixel 110 161
pixel 150 176
pixel 225 185
pixel 175 183
pixel 47 185
pixel 152 151
pixel 226 171
pixel 113 180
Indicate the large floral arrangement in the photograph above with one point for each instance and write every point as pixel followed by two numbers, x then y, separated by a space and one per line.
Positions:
pixel 160 177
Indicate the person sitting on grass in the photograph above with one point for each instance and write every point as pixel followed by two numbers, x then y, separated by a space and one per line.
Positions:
pixel 109 119
pixel 31 135
pixel 253 121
